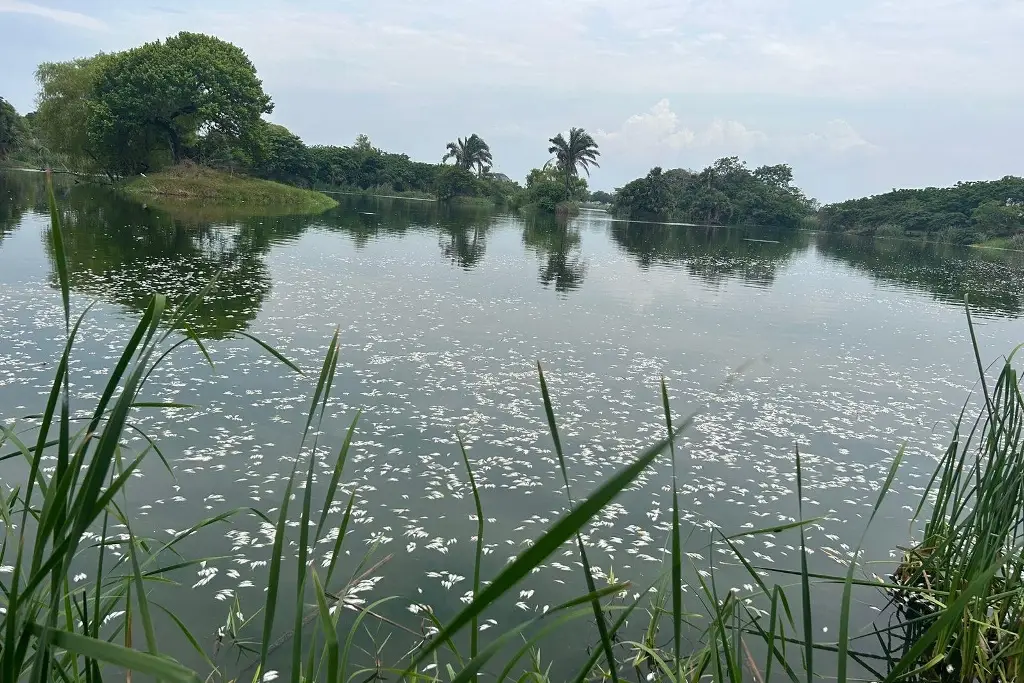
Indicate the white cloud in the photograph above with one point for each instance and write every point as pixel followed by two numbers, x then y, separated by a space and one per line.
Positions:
pixel 61 16
pixel 658 133
pixel 839 136
pixel 659 128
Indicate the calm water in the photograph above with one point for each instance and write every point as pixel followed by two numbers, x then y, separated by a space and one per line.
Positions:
pixel 856 347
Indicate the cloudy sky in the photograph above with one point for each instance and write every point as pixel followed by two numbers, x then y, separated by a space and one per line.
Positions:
pixel 859 96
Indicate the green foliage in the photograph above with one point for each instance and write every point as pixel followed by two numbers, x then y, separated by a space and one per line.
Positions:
pixel 153 101
pixel 972 545
pixel 12 130
pixel 364 167
pixel 455 181
pixel 965 213
pixel 65 93
pixel 602 197
pixel 998 219
pixel 501 190
pixel 149 106
pixel 724 193
pixel 577 152
pixel 548 187
pixel 469 153
pixel 280 155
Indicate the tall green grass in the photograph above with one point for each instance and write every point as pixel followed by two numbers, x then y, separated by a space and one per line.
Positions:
pixel 974 533
pixel 963 623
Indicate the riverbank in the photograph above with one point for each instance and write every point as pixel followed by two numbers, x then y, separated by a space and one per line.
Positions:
pixel 199 184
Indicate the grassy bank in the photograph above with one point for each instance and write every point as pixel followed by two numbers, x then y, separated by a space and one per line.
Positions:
pixel 190 184
pixel 1015 243
pixel 66 506
pixel 376 191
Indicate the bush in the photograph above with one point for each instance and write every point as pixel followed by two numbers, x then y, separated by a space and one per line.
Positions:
pixel 960 235
pixel 453 181
pixel 890 230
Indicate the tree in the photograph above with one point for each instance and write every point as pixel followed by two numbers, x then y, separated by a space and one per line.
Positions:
pixel 12 129
pixel 579 151
pixel 725 192
pixel 159 97
pixel 455 181
pixel 65 94
pixel 998 219
pixel 545 189
pixel 362 143
pixel 960 213
pixel 281 155
pixel 468 153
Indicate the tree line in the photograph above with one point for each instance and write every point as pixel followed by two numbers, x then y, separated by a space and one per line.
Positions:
pixel 725 193
pixel 728 193
pixel 194 98
pixel 967 213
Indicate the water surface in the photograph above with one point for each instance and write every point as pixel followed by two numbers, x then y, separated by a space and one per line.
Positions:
pixel 854 348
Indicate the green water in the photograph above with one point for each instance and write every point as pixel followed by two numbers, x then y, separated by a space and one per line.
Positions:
pixel 855 347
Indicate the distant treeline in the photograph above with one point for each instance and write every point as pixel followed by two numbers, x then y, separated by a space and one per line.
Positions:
pixel 728 193
pixel 194 98
pixel 967 213
pixel 725 193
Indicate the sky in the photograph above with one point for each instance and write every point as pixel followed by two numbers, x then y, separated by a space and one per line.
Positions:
pixel 858 96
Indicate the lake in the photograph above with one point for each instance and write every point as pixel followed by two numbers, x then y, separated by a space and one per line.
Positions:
pixel 849 348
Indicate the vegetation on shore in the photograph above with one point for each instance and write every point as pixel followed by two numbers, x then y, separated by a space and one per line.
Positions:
pixel 725 193
pixel 967 213
pixel 195 98
pixel 957 616
pixel 198 185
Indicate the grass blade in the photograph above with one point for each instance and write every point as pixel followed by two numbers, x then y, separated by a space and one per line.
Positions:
pixel 272 351
pixel 548 543
pixel 602 627
pixel 805 581
pixel 158 667
pixel 474 626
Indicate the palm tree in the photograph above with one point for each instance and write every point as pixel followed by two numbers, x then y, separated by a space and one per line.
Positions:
pixel 470 152
pixel 579 151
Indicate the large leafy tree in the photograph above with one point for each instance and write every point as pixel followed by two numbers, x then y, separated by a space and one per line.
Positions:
pixel 469 153
pixel 158 98
pixel 578 151
pixel 65 93
pixel 12 129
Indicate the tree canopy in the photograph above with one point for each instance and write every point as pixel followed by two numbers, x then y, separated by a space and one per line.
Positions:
pixel 469 153
pixel 578 151
pixel 150 105
pixel 726 192
pixel 65 93
pixel 12 129
pixel 965 213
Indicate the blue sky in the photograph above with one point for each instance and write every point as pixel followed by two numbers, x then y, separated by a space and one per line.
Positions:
pixel 858 96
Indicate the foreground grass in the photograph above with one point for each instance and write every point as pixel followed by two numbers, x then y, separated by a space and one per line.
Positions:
pixel 62 513
pixel 195 185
